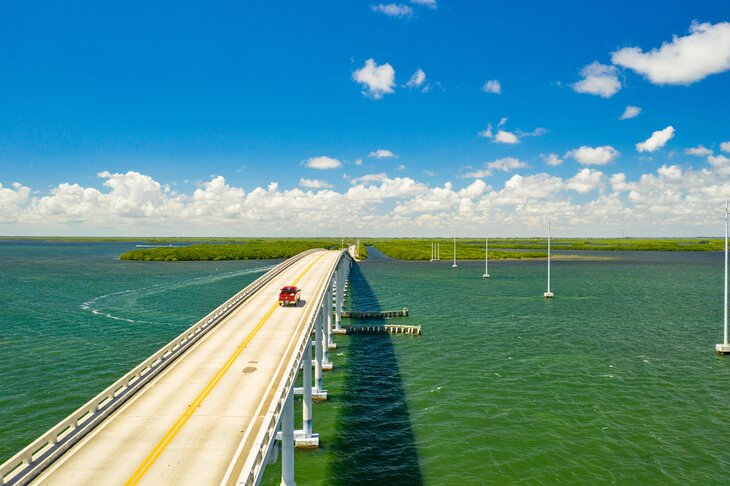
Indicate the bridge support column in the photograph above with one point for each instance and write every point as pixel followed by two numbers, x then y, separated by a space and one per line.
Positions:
pixel 340 296
pixel 287 441
pixel 318 393
pixel 345 281
pixel 307 395
pixel 305 439
pixel 327 331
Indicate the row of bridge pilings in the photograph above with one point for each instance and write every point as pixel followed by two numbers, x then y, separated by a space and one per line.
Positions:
pixel 327 323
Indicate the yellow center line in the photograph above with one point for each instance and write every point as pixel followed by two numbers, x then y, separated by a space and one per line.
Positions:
pixel 167 438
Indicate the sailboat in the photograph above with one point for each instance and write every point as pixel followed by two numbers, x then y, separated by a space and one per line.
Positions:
pixel 454 265
pixel 724 348
pixel 486 258
pixel 548 294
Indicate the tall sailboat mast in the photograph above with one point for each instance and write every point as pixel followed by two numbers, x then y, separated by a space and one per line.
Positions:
pixel 724 348
pixel 486 258
pixel 454 265
pixel 549 293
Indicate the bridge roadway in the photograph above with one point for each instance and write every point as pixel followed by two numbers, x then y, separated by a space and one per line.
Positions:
pixel 191 422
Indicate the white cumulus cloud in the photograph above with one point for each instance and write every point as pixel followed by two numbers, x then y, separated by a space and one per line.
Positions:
pixel 381 154
pixel 657 140
pixel 552 159
pixel 630 112
pixel 369 178
pixel 477 174
pixel 720 164
pixel 12 201
pixel 503 136
pixel 508 137
pixel 699 151
pixel 519 190
pixel 593 155
pixel 585 181
pixel 314 183
pixel 725 146
pixel 537 132
pixel 323 162
pixel 417 79
pixel 671 200
pixel 393 9
pixel 598 79
pixel 505 164
pixel 487 132
pixel 425 3
pixel 492 86
pixel 684 60
pixel 377 80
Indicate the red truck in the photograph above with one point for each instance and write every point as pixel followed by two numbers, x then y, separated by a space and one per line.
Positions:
pixel 289 295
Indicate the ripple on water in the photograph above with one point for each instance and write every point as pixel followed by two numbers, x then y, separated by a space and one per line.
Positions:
pixel 74 318
pixel 503 387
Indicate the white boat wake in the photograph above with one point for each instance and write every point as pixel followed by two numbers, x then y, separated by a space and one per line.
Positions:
pixel 93 306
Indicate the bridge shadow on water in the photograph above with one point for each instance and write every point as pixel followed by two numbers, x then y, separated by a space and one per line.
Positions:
pixel 375 443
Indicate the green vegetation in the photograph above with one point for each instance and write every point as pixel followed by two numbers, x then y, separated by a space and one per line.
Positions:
pixel 465 250
pixel 247 249
pixel 612 244
pixel 401 248
pixel 473 249
pixel 363 254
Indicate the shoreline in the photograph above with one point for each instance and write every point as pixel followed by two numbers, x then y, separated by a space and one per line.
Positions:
pixel 403 249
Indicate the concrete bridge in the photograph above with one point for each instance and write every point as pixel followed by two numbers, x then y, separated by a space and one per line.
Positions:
pixel 207 408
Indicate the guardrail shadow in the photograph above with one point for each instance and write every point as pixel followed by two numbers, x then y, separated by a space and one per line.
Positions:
pixel 375 443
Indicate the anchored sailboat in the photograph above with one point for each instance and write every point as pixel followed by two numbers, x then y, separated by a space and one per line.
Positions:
pixel 454 265
pixel 486 258
pixel 724 348
pixel 548 294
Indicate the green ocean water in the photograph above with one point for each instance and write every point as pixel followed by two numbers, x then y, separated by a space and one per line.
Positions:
pixel 613 381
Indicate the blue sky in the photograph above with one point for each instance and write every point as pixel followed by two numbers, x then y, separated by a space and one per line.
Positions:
pixel 112 117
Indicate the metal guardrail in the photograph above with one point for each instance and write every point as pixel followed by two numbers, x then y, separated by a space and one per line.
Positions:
pixel 256 461
pixel 32 460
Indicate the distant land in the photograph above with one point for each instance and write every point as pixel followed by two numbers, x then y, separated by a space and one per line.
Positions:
pixel 233 248
pixel 525 248
pixel 238 249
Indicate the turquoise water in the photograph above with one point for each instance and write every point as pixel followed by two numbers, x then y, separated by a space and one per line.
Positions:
pixel 74 318
pixel 613 381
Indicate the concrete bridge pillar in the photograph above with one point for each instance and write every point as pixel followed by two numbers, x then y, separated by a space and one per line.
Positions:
pixel 307 391
pixel 327 330
pixel 287 441
pixel 318 324
pixel 339 298
pixel 305 438
pixel 318 393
